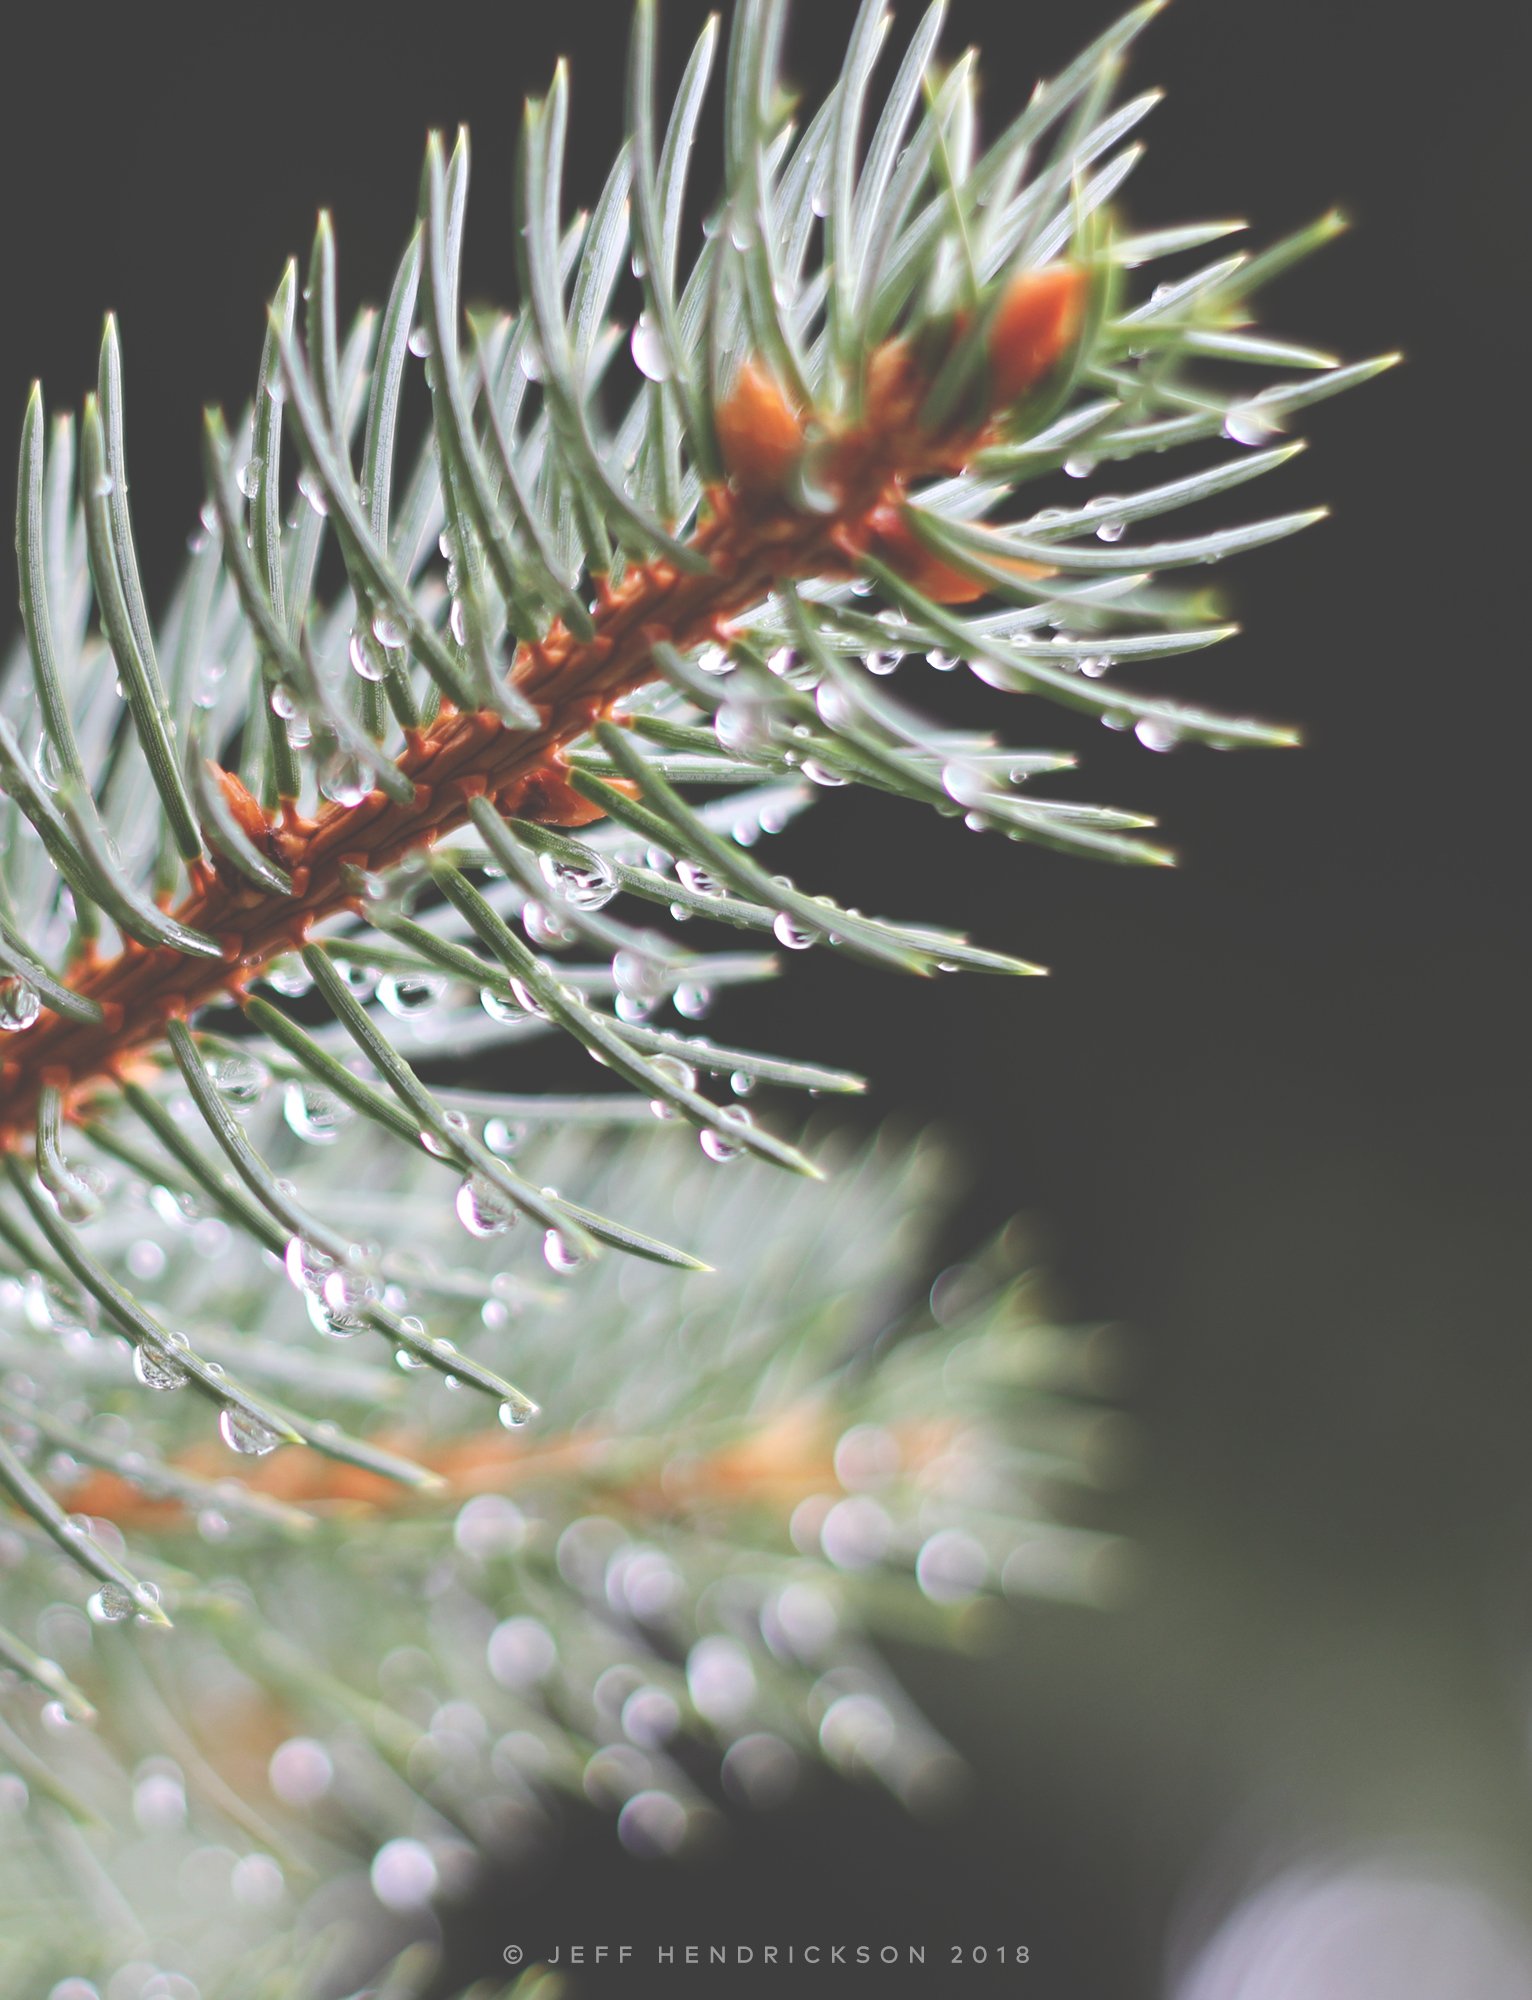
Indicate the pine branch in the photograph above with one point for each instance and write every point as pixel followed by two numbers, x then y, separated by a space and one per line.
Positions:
pixel 447 816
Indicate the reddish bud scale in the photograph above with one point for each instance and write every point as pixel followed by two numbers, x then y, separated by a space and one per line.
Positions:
pixel 1037 321
pixel 760 434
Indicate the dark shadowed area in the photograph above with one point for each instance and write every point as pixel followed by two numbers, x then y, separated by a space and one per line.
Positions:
pixel 1269 1108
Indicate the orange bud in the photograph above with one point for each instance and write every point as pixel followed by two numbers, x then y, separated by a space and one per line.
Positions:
pixel 759 432
pixel 547 798
pixel 895 542
pixel 1035 324
pixel 248 815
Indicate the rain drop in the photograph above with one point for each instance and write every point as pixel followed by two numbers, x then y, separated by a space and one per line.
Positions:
pixel 589 883
pixel 483 1208
pixel 19 1005
pixel 240 1080
pixel 559 1254
pixel 649 351
pixel 636 976
pixel 717 1145
pixel 1247 424
pixel 249 478
pixel 698 880
pixel 792 935
pixel 505 1136
pixel 407 995
pixel 1156 735
pixel 314 1112
pixel 342 779
pixel 364 660
pixel 673 1070
pixel 157 1369
pixel 111 1604
pixel 543 926
pixel 387 630
pixel 245 1433
pixel 420 343
pixel 314 493
pixel 694 1002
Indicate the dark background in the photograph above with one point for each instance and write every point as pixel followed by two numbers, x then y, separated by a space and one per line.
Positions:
pixel 1270 1105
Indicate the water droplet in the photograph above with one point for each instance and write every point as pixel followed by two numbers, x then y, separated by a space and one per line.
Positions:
pixel 515 1413
pixel 407 995
pixel 343 780
pixel 421 343
pixel 315 1112
pixel 457 623
pixel 364 660
pixel 1111 531
pixel 589 883
pixel 714 660
pixel 543 926
pixel 290 977
pixel 156 1369
pixel 694 1002
pixel 439 1147
pixel 111 1604
pixel 505 1136
pixel 78 1195
pixel 483 1208
pixel 649 351
pixel 240 1080
pixel 1079 467
pixel 531 360
pixel 245 1433
pixel 1094 665
pixel 559 1254
pixel 943 662
pixel 697 879
pixel 249 478
pixel 792 935
pixel 19 1005
pixel 312 491
pixel 307 1266
pixel 1248 424
pixel 146 1259
pixel 743 727
pixel 387 630
pixel 674 1071
pixel 284 703
pixel 821 774
pixel 46 764
pixel 742 1083
pixel 527 1001
pixel 717 1145
pixel 1156 735
pixel 636 975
